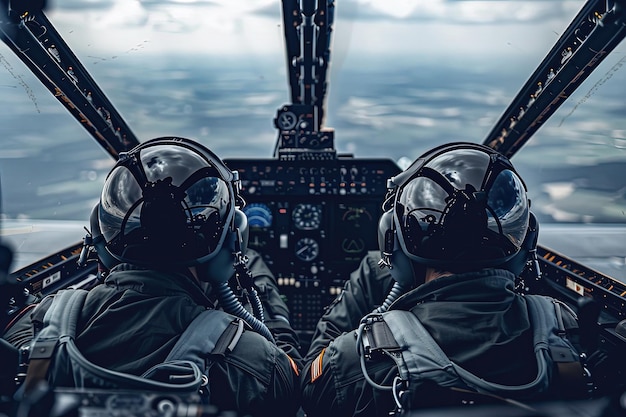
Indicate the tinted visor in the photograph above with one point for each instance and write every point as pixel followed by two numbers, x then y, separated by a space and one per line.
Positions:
pixel 465 204
pixel 165 203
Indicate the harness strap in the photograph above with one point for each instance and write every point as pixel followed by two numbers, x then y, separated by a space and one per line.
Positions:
pixel 422 358
pixel 56 314
pixel 418 357
pixel 182 370
pixel 378 337
pixel 203 335
pixel 229 338
pixel 569 380
pixel 38 366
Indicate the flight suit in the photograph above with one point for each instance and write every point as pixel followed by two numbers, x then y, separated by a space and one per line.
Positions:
pixel 476 318
pixel 131 322
pixel 277 313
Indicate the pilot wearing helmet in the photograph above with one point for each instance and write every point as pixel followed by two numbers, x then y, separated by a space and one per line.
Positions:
pixel 275 311
pixel 455 234
pixel 170 219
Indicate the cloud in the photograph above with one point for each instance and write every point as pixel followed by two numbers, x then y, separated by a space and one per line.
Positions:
pixel 449 11
pixel 174 26
pixel 456 12
pixel 254 27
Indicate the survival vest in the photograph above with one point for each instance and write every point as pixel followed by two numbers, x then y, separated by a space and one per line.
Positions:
pixel 184 371
pixel 421 362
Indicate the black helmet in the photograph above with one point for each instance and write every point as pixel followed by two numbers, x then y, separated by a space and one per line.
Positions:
pixel 170 201
pixel 458 207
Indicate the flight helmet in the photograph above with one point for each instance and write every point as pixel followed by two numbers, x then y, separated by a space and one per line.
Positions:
pixel 171 201
pixel 459 207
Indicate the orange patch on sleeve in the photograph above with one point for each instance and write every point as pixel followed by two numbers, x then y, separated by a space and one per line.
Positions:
pixel 316 366
pixel 294 366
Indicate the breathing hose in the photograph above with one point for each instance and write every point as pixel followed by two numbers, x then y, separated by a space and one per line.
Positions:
pixel 395 292
pixel 231 305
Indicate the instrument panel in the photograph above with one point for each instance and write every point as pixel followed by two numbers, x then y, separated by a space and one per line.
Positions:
pixel 317 220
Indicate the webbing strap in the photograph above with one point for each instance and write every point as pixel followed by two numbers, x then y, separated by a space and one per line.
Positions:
pixel 423 359
pixel 229 339
pixel 37 371
pixel 184 364
pixel 44 346
pixel 201 336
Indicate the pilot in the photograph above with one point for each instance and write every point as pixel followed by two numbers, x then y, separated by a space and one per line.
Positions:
pixel 170 215
pixel 452 329
pixel 275 311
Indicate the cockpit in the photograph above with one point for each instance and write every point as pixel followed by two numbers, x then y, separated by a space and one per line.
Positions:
pixel 370 86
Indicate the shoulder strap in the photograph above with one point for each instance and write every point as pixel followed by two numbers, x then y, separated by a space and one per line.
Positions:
pixel 549 330
pixel 212 331
pixel 56 340
pixel 422 359
pixel 59 320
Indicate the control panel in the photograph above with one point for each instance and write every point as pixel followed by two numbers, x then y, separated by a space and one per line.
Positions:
pixel 317 219
pixel 117 403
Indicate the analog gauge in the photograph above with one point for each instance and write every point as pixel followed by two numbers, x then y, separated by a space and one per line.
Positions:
pixel 307 249
pixel 307 216
pixel 286 120
pixel 357 216
pixel 259 215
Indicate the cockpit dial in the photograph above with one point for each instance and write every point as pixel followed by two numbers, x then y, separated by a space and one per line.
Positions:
pixel 307 216
pixel 307 249
pixel 259 215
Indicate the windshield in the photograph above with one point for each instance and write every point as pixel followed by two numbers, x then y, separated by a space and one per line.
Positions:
pixel 404 77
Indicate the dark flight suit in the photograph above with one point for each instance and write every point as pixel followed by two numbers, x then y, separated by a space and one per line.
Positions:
pixel 476 318
pixel 131 322
pixel 276 311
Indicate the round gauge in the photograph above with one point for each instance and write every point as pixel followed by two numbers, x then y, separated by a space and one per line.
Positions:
pixel 358 216
pixel 307 216
pixel 286 120
pixel 259 215
pixel 307 249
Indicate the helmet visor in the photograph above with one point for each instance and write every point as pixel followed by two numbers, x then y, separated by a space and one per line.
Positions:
pixel 167 204
pixel 462 203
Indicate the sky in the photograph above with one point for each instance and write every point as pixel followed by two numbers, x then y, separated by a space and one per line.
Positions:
pixel 486 37
pixel 425 70
pixel 241 27
pixel 135 50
